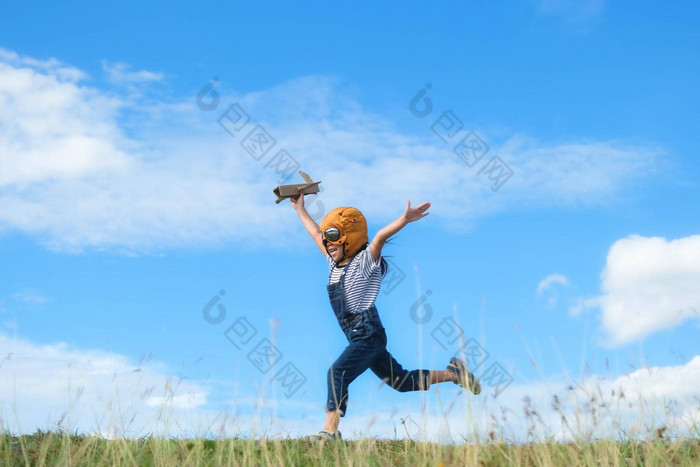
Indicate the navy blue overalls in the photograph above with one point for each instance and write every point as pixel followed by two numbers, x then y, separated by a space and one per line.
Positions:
pixel 366 349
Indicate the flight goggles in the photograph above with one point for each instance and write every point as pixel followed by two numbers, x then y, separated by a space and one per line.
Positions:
pixel 332 234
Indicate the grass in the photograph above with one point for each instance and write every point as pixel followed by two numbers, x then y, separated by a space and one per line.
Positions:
pixel 55 448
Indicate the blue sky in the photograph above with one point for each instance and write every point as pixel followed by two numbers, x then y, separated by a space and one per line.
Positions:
pixel 125 208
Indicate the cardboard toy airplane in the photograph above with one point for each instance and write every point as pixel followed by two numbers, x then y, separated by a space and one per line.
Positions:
pixel 288 191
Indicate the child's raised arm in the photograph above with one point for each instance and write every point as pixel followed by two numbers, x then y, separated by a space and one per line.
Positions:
pixel 311 225
pixel 411 215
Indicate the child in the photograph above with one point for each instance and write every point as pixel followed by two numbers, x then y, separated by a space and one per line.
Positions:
pixel 356 272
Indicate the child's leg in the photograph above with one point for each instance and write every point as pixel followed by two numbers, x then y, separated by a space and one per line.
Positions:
pixel 387 368
pixel 332 421
pixel 440 376
pixel 354 361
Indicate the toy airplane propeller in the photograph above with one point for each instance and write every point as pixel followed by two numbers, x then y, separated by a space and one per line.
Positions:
pixel 289 191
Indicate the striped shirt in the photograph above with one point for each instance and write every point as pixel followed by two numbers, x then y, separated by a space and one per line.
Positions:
pixel 363 278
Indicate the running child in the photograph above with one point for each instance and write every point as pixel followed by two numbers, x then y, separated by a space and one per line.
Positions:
pixel 356 270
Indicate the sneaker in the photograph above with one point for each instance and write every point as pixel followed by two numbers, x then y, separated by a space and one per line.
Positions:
pixel 324 435
pixel 464 378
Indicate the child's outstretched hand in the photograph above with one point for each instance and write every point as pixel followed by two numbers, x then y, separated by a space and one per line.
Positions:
pixel 297 201
pixel 413 214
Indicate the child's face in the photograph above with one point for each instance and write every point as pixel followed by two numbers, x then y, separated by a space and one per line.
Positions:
pixel 336 251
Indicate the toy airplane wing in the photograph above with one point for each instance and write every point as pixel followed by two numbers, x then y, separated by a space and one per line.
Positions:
pixel 287 191
pixel 306 177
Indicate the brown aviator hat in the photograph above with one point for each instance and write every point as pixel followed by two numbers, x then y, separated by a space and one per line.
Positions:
pixel 351 228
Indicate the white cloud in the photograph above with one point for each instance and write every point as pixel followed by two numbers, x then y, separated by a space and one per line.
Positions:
pixel 182 401
pixel 550 280
pixel 649 284
pixel 30 296
pixel 119 73
pixel 96 391
pixel 92 391
pixel 575 173
pixel 60 70
pixel 77 174
pixel 52 127
pixel 545 289
pixel 559 408
pixel 582 304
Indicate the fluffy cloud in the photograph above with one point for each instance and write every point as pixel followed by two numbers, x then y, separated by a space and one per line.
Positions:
pixel 52 127
pixel 545 289
pixel 648 285
pixel 550 280
pixel 90 391
pixel 590 408
pixel 120 73
pixel 45 386
pixel 86 168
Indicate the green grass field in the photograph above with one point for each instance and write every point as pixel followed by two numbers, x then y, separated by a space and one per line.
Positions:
pixel 61 449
